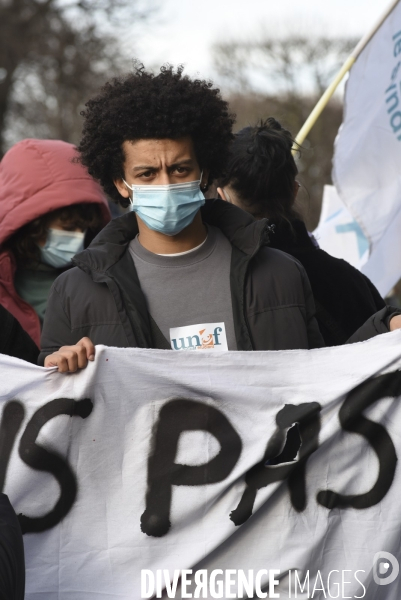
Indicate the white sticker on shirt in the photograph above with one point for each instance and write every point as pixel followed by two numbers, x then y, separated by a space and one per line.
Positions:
pixel 209 336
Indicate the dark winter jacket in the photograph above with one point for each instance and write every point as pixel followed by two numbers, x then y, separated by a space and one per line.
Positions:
pixel 344 297
pixel 14 341
pixel 101 298
pixel 12 561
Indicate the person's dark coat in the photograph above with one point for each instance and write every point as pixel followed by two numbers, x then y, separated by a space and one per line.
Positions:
pixel 101 298
pixel 12 562
pixel 14 341
pixel 344 297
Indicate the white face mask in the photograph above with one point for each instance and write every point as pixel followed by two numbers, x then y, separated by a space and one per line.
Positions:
pixel 61 246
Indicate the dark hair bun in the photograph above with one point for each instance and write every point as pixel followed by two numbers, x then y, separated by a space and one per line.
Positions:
pixel 262 170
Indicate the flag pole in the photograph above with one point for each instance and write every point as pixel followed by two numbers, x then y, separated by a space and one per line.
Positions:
pixel 322 103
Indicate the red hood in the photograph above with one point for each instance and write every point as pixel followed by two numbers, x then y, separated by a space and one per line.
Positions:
pixel 38 176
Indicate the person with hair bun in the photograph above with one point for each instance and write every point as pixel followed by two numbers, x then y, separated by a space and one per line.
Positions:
pixel 260 178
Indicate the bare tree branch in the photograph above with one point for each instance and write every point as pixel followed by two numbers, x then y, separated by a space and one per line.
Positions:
pixel 295 69
pixel 53 55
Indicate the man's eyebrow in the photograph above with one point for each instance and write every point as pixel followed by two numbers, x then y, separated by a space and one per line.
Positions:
pixel 178 163
pixel 144 168
pixel 186 161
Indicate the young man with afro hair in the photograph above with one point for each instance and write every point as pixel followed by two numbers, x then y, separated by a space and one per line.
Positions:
pixel 176 271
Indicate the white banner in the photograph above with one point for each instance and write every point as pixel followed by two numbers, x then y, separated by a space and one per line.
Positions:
pixel 246 467
pixel 367 157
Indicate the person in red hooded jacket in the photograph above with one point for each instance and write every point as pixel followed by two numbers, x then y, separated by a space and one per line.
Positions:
pixel 50 209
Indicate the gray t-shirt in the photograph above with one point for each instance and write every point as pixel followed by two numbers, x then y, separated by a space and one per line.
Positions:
pixel 189 295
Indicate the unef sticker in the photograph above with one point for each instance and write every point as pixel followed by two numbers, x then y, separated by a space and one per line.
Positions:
pixel 209 336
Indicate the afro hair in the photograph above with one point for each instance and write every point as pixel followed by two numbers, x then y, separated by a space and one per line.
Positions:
pixel 142 105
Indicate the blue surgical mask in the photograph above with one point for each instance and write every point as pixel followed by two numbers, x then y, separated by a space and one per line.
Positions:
pixel 167 208
pixel 61 246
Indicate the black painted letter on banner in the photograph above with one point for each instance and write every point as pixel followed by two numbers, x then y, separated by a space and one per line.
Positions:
pixel 352 420
pixel 175 417
pixel 279 461
pixel 11 420
pixel 40 459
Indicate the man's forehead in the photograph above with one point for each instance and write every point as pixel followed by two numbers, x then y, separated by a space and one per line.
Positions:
pixel 171 150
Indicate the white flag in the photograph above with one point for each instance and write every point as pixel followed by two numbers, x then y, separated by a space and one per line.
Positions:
pixel 367 160
pixel 338 233
pixel 243 474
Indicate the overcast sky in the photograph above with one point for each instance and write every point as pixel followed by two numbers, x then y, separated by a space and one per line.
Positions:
pixel 186 29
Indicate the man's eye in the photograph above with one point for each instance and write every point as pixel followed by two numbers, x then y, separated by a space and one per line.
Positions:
pixel 182 169
pixel 146 174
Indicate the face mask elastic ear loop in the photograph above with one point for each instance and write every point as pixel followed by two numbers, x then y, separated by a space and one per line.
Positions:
pixel 131 199
pixel 200 182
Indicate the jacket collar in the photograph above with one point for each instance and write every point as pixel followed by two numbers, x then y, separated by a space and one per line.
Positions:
pixel 239 227
pixel 292 237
